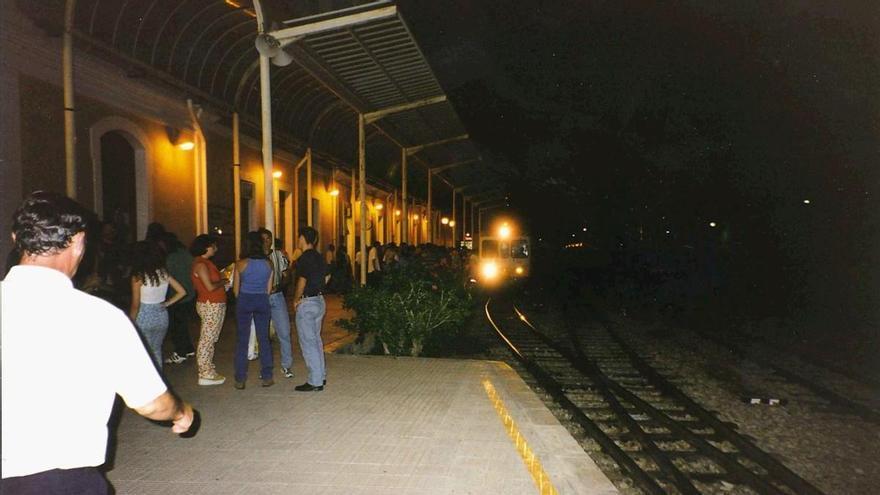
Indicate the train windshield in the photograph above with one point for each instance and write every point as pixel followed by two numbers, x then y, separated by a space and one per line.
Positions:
pixel 489 249
pixel 519 248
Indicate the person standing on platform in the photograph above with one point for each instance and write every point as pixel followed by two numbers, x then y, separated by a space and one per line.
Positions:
pixel 54 424
pixel 180 264
pixel 374 263
pixel 149 289
pixel 210 304
pixel 251 285
pixel 311 276
pixel 277 302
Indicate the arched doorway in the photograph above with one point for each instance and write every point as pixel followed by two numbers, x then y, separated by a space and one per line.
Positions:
pixel 118 184
pixel 121 161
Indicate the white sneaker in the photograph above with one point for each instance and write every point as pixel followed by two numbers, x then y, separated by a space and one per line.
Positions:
pixel 253 356
pixel 175 358
pixel 214 380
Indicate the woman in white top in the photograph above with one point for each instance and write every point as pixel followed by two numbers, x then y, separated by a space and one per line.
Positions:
pixel 149 287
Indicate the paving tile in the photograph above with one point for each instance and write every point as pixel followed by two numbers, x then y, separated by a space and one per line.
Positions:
pixel 382 425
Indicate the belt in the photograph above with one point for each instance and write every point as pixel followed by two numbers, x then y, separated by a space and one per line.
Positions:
pixel 313 295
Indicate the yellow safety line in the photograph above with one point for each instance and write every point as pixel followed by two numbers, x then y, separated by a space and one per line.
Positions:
pixel 533 464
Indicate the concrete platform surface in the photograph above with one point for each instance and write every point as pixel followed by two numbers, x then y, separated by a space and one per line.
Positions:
pixel 382 425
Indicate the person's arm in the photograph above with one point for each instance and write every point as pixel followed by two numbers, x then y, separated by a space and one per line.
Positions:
pixel 179 291
pixel 136 284
pixel 298 294
pixel 168 407
pixel 202 274
pixel 271 282
pixel 236 278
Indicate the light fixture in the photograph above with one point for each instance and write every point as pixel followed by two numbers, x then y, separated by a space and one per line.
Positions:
pixel 186 145
pixel 519 270
pixel 806 201
pixel 452 223
pixel 444 221
pixel 379 206
pixel 277 174
pixel 489 270
pixel 713 224
pixel 397 213
pixel 334 192
pixel 585 229
pixel 416 216
pixel 504 231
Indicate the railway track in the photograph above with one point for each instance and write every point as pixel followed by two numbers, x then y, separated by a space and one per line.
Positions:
pixel 662 439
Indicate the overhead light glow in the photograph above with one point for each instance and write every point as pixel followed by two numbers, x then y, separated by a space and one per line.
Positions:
pixel 452 223
pixel 504 231
pixel 186 145
pixel 277 174
pixel 379 206
pixel 713 224
pixel 519 270
pixel 585 229
pixel 806 201
pixel 416 216
pixel 444 221
pixel 397 213
pixel 334 192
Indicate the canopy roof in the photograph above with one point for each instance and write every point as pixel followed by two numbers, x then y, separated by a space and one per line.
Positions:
pixel 356 59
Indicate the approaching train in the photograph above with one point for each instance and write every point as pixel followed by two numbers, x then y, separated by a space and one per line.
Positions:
pixel 503 257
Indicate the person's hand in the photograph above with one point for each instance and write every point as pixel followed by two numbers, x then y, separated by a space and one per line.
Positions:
pixel 297 303
pixel 182 423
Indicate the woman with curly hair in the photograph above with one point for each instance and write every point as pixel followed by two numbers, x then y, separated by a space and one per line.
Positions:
pixel 149 286
pixel 210 305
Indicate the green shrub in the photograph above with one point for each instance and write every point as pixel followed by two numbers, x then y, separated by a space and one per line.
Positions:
pixel 410 311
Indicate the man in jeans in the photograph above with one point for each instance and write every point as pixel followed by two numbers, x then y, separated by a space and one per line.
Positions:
pixel 55 423
pixel 311 276
pixel 277 302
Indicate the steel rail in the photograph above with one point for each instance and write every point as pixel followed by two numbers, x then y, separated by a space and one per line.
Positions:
pixel 554 388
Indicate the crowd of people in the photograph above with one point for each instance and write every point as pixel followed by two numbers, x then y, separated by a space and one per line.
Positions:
pixel 59 292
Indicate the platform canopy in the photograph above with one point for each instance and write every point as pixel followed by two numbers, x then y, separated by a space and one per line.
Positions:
pixel 346 59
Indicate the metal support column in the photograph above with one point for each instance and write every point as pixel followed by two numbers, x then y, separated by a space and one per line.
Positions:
pixel 404 232
pixel 266 112
pixel 309 187
pixel 236 185
pixel 453 218
pixel 351 236
pixel 362 183
pixel 430 205
pixel 67 76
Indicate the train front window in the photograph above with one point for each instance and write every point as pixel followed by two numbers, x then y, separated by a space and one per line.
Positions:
pixel 519 248
pixel 489 249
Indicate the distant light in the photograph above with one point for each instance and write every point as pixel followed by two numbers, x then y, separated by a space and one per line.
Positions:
pixel 806 201
pixel 572 235
pixel 277 174
pixel 504 231
pixel 416 216
pixel 467 234
pixel 379 206
pixel 519 270
pixel 713 224
pixel 444 221
pixel 186 145
pixel 334 192
pixel 219 231
pixel 452 223
pixel 397 213
pixel 667 232
pixel 585 229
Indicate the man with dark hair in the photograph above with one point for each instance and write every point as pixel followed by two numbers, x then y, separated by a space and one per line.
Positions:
pixel 311 276
pixel 54 426
pixel 179 263
pixel 277 301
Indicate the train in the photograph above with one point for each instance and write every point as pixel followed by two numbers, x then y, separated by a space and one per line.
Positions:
pixel 503 257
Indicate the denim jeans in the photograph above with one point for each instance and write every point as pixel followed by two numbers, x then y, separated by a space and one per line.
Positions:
pixel 281 321
pixel 309 317
pixel 252 307
pixel 152 322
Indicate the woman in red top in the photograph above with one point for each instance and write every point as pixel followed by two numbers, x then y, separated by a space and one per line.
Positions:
pixel 210 305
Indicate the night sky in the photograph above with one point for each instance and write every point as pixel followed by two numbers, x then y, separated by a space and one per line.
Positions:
pixel 625 115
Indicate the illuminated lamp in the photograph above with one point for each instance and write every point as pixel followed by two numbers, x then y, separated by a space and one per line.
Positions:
pixel 452 223
pixel 334 192
pixel 444 221
pixel 379 206
pixel 504 231
pixel 186 145
pixel 277 174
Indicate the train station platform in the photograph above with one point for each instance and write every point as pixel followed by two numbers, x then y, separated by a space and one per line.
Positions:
pixel 382 425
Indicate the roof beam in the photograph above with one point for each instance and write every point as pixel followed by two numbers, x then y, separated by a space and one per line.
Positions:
pixel 371 117
pixel 291 34
pixel 435 170
pixel 412 150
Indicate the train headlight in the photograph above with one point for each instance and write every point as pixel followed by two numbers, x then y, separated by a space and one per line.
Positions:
pixel 519 270
pixel 489 270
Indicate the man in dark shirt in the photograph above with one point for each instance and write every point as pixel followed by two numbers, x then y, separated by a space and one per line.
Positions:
pixel 310 308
